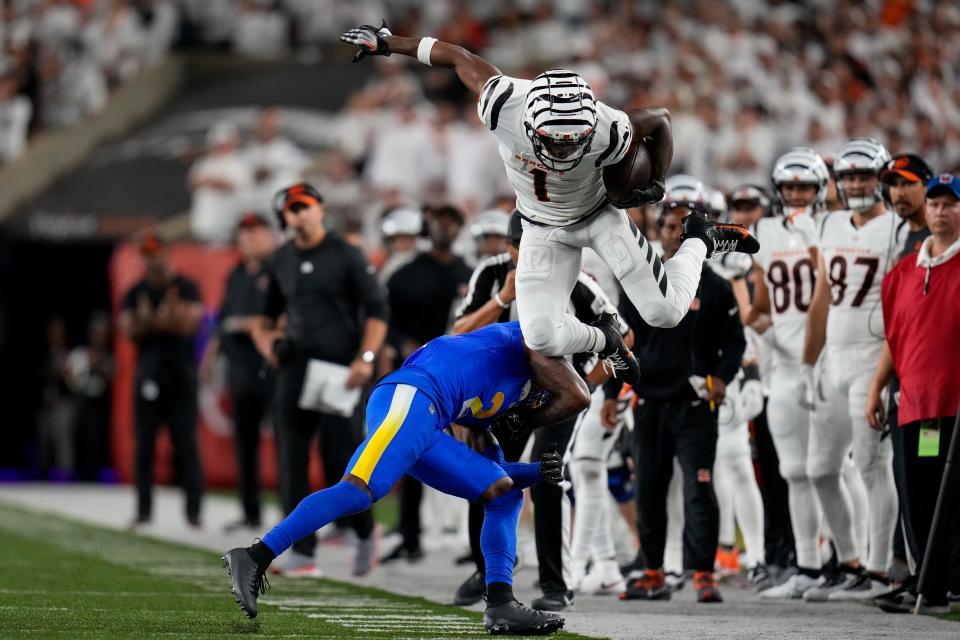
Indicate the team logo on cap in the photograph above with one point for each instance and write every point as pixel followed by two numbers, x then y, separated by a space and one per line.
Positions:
pixel 946 178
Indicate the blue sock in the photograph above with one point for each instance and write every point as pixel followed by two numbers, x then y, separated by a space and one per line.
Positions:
pixel 316 510
pixel 498 537
pixel 523 474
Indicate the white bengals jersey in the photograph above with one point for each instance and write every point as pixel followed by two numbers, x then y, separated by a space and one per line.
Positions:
pixel 856 260
pixel 790 275
pixel 546 196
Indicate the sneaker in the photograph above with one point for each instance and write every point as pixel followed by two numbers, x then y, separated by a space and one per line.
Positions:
pixel 556 601
pixel 578 571
pixel 241 526
pixel 247 580
pixel 906 602
pixel 759 577
pixel 616 355
pixel 471 591
pixel 793 589
pixel 365 558
pixel 516 619
pixel 828 583
pixel 705 584
pixel 674 580
pixel 863 587
pixel 650 586
pixel 414 554
pixel 604 579
pixel 295 565
pixel 728 561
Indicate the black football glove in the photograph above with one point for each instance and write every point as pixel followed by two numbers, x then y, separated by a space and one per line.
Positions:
pixel 551 466
pixel 653 192
pixel 697 226
pixel 371 40
pixel 509 425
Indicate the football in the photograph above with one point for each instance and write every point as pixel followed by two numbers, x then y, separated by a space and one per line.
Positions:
pixel 632 172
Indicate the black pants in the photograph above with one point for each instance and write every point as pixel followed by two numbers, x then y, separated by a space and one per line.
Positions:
pixel 664 429
pixel 170 397
pixel 551 511
pixel 252 397
pixel 92 436
pixel 920 485
pixel 778 529
pixel 337 436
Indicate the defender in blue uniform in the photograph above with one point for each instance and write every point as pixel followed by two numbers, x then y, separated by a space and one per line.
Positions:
pixel 471 379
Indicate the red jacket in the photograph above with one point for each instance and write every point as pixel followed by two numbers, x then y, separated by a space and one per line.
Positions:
pixel 921 315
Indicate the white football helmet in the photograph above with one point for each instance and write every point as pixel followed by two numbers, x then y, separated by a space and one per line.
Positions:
pixel 684 190
pixel 560 118
pixel 402 221
pixel 716 204
pixel 857 156
pixel 801 165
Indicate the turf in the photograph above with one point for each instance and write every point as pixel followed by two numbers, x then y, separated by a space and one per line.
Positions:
pixel 63 579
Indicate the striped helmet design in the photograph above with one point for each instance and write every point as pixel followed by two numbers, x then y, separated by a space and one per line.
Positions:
pixel 685 191
pixel 560 118
pixel 860 155
pixel 801 165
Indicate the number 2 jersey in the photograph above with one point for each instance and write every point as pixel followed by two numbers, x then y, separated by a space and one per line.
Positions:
pixel 856 259
pixel 473 377
pixel 790 275
pixel 546 196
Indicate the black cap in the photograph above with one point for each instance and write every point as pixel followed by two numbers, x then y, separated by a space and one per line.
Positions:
pixel 516 228
pixel 252 220
pixel 909 166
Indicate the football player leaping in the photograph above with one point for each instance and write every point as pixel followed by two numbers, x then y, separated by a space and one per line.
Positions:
pixel 555 139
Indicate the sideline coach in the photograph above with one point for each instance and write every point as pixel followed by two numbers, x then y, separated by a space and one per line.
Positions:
pixel 336 314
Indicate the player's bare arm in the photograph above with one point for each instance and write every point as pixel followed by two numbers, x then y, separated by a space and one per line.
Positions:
pixel 472 70
pixel 875 411
pixel 653 126
pixel 568 393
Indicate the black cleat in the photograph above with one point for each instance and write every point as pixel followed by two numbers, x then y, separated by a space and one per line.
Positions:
pixel 515 619
pixel 471 591
pixel 554 601
pixel 248 581
pixel 616 354
pixel 719 237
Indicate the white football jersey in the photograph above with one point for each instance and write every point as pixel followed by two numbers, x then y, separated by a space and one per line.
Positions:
pixel 856 260
pixel 546 196
pixel 790 275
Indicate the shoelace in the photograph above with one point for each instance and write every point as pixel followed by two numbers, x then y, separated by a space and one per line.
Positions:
pixel 724 246
pixel 614 363
pixel 261 584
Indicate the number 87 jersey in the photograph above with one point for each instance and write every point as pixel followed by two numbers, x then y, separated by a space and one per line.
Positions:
pixel 856 259
pixel 790 274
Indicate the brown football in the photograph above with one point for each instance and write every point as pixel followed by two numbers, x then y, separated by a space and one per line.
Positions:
pixel 632 172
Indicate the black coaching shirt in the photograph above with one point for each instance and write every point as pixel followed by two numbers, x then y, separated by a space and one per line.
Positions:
pixel 328 292
pixel 244 296
pixel 421 296
pixel 159 351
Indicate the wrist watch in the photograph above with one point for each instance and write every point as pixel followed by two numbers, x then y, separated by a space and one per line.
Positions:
pixel 368 356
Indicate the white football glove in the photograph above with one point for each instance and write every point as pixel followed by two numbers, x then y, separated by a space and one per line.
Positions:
pixel 807 228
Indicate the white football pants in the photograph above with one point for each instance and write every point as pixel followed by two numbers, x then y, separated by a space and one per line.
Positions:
pixel 738 495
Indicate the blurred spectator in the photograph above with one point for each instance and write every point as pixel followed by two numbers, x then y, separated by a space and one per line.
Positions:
pixel 56 419
pixel 218 181
pixel 406 158
pixel 401 228
pixel 259 29
pixel 250 380
pixel 421 295
pixel 490 230
pixel 73 83
pixel 15 113
pixel 90 369
pixel 161 314
pixel 276 162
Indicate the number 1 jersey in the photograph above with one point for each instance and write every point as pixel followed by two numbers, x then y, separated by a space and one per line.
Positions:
pixel 856 259
pixel 790 275
pixel 554 198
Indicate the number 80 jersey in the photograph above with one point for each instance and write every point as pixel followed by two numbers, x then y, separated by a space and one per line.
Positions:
pixel 546 196
pixel 856 259
pixel 790 275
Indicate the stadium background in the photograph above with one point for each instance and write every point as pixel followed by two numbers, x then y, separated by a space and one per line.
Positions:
pixel 107 156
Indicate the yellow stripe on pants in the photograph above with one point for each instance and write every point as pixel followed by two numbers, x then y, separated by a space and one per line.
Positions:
pixel 399 406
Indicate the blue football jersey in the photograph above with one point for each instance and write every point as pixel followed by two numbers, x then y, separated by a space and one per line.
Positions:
pixel 472 377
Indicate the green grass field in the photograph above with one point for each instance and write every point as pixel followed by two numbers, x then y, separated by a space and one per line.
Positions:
pixel 64 579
